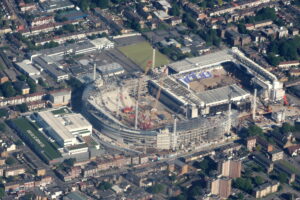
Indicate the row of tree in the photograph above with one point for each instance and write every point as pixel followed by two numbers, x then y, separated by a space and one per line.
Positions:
pixel 284 49
pixel 86 5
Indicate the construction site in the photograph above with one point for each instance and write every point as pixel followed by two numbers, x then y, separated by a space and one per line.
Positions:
pixel 192 103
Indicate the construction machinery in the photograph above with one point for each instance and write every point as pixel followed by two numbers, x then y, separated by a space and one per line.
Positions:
pixel 285 101
pixel 159 90
pixel 148 67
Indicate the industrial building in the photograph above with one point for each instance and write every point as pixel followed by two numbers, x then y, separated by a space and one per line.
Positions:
pixel 60 98
pixel 26 67
pixel 111 69
pixel 81 47
pixel 50 66
pixel 55 5
pixel 63 125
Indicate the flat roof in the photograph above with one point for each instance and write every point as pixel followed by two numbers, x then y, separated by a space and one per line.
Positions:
pixel 223 94
pixel 64 124
pixel 62 49
pixel 110 68
pixel 27 67
pixel 178 91
pixel 200 62
pixel 101 41
pixel 56 4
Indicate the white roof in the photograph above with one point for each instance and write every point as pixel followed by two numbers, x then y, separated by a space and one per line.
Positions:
pixel 191 64
pixel 28 68
pixel 65 124
pixel 101 42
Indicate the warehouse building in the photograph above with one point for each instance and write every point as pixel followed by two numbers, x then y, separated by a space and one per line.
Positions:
pixel 64 126
pixel 28 69
pixel 111 69
pixel 51 67
pixel 60 98
pixel 81 47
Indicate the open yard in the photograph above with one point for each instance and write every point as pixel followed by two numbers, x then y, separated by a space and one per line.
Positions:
pixel 140 53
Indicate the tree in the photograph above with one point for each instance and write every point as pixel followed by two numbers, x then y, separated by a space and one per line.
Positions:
pixel 101 3
pixel 19 143
pixel 60 18
pixel 240 196
pixel 2 192
pixel 8 89
pixel 242 28
pixel 3 113
pixel 258 180
pixel 104 185
pixel 69 27
pixel 22 107
pixel 175 10
pixel 273 59
pixel 282 177
pixel 69 162
pixel 195 191
pixel 84 5
pixel 288 196
pixel 190 22
pixel 74 83
pixel 287 127
pixel 31 83
pixel 22 77
pixel 2 127
pixel 42 82
pixel 266 13
pixel 10 161
pixel 254 130
pixel 50 44
pixel 172 177
pixel 244 184
pixel 155 189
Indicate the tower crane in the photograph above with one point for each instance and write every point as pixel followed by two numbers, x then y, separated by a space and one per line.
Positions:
pixel 148 67
pixel 159 89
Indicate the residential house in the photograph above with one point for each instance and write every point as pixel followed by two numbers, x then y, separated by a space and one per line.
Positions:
pixel 265 189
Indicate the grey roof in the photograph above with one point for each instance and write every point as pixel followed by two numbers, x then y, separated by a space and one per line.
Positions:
pixel 76 196
pixel 200 62
pixel 110 68
pixel 223 94
pixel 56 4
pixel 76 48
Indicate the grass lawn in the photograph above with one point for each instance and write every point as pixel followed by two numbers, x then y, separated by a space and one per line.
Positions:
pixel 290 166
pixel 63 110
pixel 140 53
pixel 37 138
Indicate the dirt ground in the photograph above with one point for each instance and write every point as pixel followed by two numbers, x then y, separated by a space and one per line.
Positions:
pixel 220 78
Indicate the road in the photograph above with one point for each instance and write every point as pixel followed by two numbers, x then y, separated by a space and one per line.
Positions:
pixel 96 136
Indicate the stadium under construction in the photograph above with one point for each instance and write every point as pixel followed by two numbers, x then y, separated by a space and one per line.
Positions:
pixel 190 103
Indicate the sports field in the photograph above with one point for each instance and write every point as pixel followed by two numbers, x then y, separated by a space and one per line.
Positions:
pixel 34 137
pixel 140 53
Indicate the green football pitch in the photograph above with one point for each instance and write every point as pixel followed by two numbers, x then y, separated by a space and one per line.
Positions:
pixel 140 53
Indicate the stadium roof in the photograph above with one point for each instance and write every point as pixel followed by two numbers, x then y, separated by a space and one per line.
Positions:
pixel 222 94
pixel 178 91
pixel 201 62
